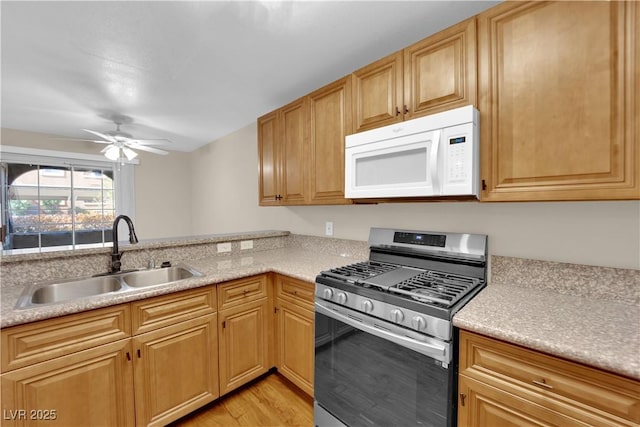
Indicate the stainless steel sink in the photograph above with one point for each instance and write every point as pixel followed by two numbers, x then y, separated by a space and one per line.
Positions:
pixel 159 276
pixel 69 290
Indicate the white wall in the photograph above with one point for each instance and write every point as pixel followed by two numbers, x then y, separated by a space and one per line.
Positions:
pixel 225 189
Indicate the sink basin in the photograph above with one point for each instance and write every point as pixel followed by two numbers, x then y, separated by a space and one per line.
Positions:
pixel 69 290
pixel 159 276
pixel 65 291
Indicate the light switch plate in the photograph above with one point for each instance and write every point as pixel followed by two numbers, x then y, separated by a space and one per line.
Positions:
pixel 246 244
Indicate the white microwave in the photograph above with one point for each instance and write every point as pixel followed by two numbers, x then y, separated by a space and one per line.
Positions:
pixel 435 155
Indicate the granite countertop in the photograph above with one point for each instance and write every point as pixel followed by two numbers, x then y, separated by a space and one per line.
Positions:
pixel 600 333
pixel 299 263
pixel 585 328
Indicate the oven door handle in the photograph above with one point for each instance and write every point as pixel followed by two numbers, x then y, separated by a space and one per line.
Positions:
pixel 438 352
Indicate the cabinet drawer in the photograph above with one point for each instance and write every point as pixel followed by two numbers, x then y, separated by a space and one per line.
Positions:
pixel 496 362
pixel 296 291
pixel 241 291
pixel 47 339
pixel 166 310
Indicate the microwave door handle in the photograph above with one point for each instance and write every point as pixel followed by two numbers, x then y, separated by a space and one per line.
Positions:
pixel 433 161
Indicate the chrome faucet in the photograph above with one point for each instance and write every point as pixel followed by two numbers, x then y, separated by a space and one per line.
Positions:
pixel 115 253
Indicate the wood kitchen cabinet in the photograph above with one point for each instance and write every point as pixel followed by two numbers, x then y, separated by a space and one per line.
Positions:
pixel 295 331
pixel 282 153
pixel 558 101
pixel 176 358
pixel 330 121
pixel 504 384
pixel 244 330
pixel 55 369
pixel 432 75
pixel 301 148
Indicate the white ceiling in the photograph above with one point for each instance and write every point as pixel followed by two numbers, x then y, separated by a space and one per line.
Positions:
pixel 191 72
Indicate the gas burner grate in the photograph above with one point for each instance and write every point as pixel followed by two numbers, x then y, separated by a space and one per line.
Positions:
pixel 360 271
pixel 433 287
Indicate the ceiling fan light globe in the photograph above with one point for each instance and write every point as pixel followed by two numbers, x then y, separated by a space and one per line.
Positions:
pixel 112 153
pixel 129 153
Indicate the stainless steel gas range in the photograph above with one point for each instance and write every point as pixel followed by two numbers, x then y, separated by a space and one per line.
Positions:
pixel 385 346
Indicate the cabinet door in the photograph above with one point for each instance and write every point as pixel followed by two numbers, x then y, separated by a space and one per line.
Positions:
pixel 440 71
pixel 175 370
pixel 295 338
pixel 90 388
pixel 377 93
pixel 244 333
pixel 558 99
pixel 481 405
pixel 330 120
pixel 294 147
pixel 268 159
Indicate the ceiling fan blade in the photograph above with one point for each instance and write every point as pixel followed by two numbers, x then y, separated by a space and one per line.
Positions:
pixel 101 135
pixel 145 148
pixel 150 141
pixel 81 140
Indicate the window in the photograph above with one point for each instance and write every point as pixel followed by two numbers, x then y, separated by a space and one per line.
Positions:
pixel 59 203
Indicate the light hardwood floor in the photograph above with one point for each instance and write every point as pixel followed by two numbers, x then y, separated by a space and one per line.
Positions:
pixel 271 401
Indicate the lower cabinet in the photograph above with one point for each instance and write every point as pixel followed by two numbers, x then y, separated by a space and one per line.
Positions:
pixel 175 370
pixel 153 361
pixel 506 385
pixel 244 331
pixel 90 388
pixel 295 345
pixel 295 331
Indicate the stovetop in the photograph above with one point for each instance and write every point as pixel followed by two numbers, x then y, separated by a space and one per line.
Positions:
pixel 440 289
pixel 415 279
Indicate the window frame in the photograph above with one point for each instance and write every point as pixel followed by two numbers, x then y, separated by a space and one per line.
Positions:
pixel 123 182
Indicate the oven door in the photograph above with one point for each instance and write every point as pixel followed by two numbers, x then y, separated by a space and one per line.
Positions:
pixel 369 373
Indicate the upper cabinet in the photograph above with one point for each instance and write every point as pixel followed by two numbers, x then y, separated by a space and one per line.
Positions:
pixel 435 74
pixel 556 84
pixel 559 100
pixel 282 146
pixel 377 93
pixel 329 122
pixel 301 148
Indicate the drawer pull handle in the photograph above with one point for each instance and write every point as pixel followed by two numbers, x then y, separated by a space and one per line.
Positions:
pixel 462 397
pixel 543 383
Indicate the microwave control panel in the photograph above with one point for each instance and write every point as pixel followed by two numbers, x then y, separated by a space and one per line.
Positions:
pixel 460 160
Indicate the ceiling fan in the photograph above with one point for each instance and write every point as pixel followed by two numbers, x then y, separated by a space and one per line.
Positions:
pixel 121 144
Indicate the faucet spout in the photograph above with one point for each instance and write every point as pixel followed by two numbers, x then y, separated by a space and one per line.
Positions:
pixel 115 252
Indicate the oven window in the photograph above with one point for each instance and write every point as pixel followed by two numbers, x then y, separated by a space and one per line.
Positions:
pixel 364 380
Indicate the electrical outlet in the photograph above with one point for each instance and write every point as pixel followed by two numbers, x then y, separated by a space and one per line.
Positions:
pixel 328 228
pixel 224 247
pixel 246 244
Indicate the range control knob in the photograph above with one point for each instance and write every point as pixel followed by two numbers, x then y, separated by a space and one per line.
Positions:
pixel 342 298
pixel 418 323
pixel 328 293
pixel 396 315
pixel 367 306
